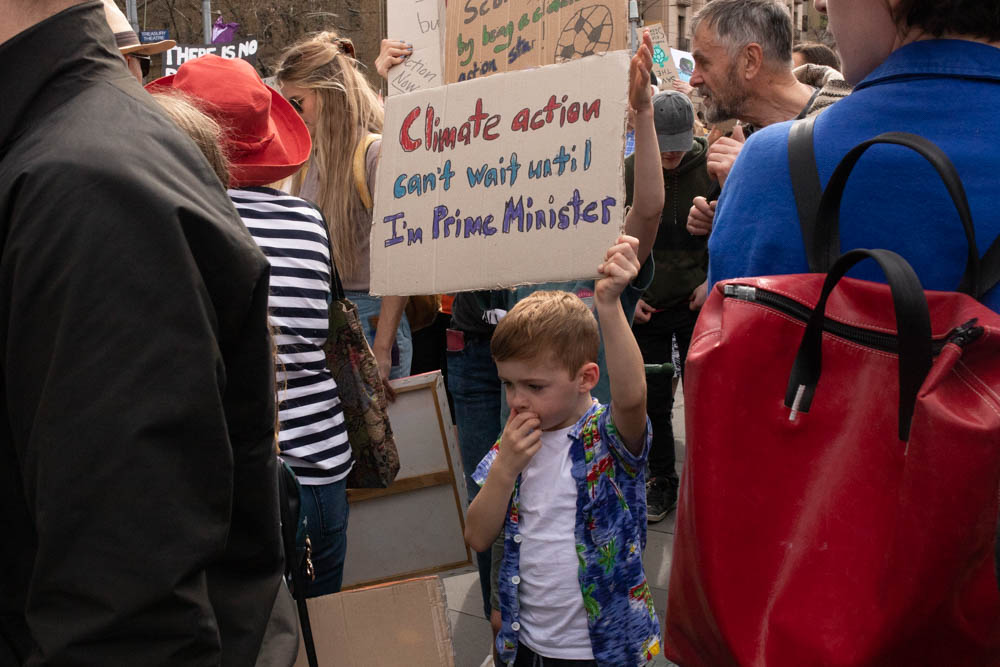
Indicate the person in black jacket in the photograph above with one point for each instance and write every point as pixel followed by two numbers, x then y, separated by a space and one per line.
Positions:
pixel 669 306
pixel 138 494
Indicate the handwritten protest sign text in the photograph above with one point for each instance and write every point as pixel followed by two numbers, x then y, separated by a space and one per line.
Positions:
pixel 489 36
pixel 506 180
pixel 421 23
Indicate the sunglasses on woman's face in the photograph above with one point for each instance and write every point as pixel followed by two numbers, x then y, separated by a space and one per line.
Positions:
pixel 296 103
pixel 144 62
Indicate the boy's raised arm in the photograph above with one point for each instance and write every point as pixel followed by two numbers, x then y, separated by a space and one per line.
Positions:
pixel 626 372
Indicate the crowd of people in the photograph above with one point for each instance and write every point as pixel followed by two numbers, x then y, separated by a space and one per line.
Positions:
pixel 170 254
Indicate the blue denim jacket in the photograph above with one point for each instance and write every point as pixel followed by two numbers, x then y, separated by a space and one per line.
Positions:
pixel 610 537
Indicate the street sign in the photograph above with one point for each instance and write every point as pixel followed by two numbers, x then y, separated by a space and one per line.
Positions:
pixel 147 36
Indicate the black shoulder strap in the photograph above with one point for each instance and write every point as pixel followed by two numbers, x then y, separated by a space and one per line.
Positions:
pixel 336 286
pixel 808 192
pixel 288 501
pixel 989 267
pixel 828 214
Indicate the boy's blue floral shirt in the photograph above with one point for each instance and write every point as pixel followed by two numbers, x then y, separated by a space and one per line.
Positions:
pixel 610 537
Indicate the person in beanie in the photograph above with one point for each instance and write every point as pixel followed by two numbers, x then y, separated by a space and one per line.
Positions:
pixel 266 142
pixel 669 306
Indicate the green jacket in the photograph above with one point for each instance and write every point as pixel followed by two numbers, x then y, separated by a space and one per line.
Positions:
pixel 681 259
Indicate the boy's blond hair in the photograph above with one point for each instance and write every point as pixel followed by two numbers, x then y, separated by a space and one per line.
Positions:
pixel 557 324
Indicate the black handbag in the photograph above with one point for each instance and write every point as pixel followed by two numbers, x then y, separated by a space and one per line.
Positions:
pixel 297 566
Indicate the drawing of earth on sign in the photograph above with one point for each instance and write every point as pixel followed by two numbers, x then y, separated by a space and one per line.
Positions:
pixel 587 32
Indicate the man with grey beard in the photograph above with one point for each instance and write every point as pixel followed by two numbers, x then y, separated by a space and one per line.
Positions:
pixel 743 69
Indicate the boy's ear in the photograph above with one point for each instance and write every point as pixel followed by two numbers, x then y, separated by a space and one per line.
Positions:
pixel 588 375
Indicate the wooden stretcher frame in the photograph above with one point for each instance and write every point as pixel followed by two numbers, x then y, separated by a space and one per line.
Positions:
pixel 450 475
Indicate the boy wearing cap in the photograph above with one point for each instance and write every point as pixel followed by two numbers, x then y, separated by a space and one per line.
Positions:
pixel 669 306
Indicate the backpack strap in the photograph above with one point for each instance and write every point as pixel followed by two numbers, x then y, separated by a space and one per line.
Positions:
pixel 808 192
pixel 360 171
pixel 821 233
pixel 989 267
pixel 288 501
pixel 828 215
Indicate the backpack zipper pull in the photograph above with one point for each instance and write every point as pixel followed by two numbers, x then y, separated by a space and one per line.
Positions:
pixel 741 292
pixel 950 352
pixel 966 333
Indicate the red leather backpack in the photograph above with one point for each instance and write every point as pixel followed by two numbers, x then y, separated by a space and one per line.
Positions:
pixel 840 495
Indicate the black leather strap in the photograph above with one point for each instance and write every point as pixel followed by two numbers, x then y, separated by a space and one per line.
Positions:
pixel 913 324
pixel 827 234
pixel 336 286
pixel 989 267
pixel 289 502
pixel 808 192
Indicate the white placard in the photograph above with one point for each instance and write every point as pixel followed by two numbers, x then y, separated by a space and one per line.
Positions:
pixel 684 62
pixel 499 181
pixel 421 23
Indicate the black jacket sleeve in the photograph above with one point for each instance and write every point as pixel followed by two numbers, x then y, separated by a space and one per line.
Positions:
pixel 139 406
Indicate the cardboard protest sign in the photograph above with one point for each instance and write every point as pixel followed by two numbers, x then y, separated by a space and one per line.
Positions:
pixel 180 54
pixel 685 64
pixel 489 36
pixel 663 65
pixel 421 23
pixel 395 623
pixel 506 180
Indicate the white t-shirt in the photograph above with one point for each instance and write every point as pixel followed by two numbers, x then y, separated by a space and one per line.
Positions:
pixel 553 619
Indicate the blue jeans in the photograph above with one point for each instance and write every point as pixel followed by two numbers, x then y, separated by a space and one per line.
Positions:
pixel 402 356
pixel 324 512
pixel 475 390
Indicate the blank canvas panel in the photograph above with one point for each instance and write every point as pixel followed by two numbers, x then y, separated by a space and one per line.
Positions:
pixel 416 525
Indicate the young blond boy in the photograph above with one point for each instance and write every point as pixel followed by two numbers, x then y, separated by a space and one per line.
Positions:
pixel 566 481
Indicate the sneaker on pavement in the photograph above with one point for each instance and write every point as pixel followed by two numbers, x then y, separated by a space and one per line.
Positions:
pixel 661 499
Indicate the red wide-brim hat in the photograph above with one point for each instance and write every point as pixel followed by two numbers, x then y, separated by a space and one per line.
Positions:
pixel 266 140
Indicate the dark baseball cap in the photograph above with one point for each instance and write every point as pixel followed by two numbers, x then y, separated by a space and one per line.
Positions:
pixel 673 117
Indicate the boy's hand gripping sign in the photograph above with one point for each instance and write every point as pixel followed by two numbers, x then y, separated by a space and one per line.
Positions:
pixel 505 180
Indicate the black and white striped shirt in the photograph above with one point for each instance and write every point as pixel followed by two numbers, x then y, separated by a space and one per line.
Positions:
pixel 293 236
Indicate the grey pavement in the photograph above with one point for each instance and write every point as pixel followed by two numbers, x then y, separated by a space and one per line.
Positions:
pixel 471 633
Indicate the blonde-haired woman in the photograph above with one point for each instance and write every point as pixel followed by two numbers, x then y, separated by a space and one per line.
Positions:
pixel 319 76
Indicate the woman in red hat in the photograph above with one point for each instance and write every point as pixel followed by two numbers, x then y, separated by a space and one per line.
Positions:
pixel 320 78
pixel 266 141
